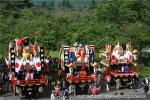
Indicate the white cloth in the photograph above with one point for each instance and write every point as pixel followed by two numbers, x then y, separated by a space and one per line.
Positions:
pixel 37 60
pixel 29 76
pixel 19 64
pixel 52 96
pixel 147 81
pixel 10 76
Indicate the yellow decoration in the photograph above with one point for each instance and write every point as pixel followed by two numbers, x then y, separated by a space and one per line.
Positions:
pixel 25 55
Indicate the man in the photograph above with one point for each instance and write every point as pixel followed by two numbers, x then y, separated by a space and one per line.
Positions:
pixel 146 82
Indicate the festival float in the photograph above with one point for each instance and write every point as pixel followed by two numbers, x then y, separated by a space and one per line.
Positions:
pixel 119 65
pixel 26 63
pixel 77 63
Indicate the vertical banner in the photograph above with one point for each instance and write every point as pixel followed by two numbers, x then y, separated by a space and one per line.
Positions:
pixel 12 58
pixel 66 58
pixel 42 57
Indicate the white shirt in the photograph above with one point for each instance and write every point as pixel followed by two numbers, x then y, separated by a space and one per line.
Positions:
pixel 146 81
pixel 52 96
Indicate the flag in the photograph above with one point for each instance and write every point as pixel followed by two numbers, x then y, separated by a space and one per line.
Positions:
pixel 37 63
pixel 18 64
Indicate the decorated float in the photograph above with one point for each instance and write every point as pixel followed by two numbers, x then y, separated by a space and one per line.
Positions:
pixel 27 63
pixel 119 65
pixel 77 63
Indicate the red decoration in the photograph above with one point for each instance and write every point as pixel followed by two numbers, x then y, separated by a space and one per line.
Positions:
pixel 38 64
pixel 107 78
pixel 113 57
pixel 19 42
pixel 94 90
pixel 16 65
pixel 82 52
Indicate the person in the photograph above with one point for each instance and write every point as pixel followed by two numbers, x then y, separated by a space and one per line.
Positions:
pixel 146 82
pixel 72 58
pixel 1 90
pixel 117 86
pixel 63 85
pixel 97 88
pixel 10 77
pixel 52 96
pixel 57 92
pixel 94 92
pixel 66 94
pixel 6 79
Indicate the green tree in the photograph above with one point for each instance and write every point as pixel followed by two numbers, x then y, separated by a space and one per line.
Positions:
pixel 92 4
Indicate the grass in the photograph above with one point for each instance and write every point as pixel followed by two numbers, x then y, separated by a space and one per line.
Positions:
pixel 144 71
pixel 54 54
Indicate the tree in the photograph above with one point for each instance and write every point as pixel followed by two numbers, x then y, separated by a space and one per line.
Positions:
pixel 13 7
pixel 66 4
pixel 52 5
pixel 142 7
pixel 92 4
pixel 44 4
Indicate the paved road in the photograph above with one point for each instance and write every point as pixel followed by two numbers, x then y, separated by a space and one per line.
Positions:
pixel 127 94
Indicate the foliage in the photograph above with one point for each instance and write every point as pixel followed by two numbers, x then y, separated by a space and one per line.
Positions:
pixel 106 21
pixel 144 71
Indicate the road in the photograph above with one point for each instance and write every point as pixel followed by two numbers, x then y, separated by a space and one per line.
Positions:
pixel 127 94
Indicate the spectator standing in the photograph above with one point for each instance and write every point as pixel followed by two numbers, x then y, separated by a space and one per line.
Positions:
pixel 9 82
pixel 6 82
pixel 146 82
pixel 1 91
pixel 64 85
pixel 57 92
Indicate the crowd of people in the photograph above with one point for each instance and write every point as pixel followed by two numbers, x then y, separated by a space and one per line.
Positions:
pixel 60 88
pixel 5 82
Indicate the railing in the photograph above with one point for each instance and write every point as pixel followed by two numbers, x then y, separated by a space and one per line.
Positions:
pixel 31 82
pixel 86 78
pixel 131 72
